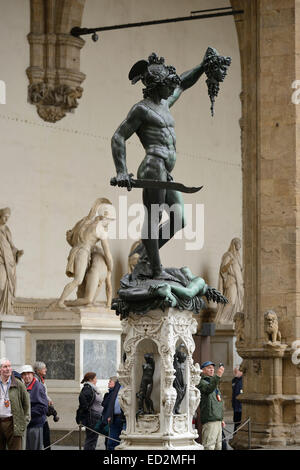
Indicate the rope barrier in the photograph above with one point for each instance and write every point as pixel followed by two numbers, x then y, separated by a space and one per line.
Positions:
pixel 99 433
pixel 70 432
pixel 237 429
pixel 116 440
pixel 80 428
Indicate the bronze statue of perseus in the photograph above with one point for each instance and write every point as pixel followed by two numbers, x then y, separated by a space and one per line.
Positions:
pixel 153 123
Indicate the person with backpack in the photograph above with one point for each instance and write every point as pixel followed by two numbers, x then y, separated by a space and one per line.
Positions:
pixel 90 409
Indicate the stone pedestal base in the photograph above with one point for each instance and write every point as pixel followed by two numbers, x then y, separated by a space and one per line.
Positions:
pixel 273 410
pixel 71 343
pixel 12 339
pixel 159 333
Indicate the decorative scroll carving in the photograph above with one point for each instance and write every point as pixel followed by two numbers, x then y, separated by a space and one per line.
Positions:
pixel 147 424
pixel 180 424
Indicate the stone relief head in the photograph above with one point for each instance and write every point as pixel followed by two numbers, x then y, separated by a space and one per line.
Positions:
pixel 271 326
pixel 235 244
pixel 256 366
pixel 4 215
pixel 270 318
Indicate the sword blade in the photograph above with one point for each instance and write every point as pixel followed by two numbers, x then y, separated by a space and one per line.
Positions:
pixel 155 184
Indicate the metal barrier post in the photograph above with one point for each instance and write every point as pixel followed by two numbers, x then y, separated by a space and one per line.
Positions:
pixel 249 434
pixel 79 437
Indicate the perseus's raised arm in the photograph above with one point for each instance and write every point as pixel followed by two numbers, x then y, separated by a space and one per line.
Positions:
pixel 118 142
pixel 188 79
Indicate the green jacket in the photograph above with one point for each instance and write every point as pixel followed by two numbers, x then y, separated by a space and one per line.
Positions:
pixel 20 405
pixel 211 409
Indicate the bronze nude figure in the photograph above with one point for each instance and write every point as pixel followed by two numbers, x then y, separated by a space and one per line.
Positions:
pixel 153 123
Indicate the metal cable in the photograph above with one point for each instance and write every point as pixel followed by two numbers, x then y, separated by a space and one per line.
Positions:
pixel 237 429
pixel 86 427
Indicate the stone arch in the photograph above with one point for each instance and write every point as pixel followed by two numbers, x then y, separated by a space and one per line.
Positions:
pixel 54 72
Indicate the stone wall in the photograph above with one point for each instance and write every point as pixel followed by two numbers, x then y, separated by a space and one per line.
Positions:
pixel 55 171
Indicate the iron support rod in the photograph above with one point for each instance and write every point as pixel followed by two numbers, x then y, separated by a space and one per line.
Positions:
pixel 76 31
pixel 211 9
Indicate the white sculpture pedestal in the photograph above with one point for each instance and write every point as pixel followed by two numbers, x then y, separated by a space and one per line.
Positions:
pixel 71 343
pixel 159 333
pixel 12 339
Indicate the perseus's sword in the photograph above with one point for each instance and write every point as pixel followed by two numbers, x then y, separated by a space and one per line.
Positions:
pixel 156 184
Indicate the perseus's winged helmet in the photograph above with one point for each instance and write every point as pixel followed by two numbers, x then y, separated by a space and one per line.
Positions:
pixel 153 72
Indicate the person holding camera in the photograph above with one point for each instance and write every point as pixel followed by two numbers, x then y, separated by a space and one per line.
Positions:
pixel 211 406
pixel 40 370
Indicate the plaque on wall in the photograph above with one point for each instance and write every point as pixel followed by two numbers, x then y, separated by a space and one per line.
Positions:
pixel 100 356
pixel 59 357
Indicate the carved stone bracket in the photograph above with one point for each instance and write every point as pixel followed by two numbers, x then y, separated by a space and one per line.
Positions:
pixel 54 75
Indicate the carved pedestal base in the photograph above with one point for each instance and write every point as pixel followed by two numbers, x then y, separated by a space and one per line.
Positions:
pixel 159 333
pixel 273 409
pixel 12 339
pixel 72 342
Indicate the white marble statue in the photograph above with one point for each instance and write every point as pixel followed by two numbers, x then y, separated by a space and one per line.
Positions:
pixel 9 256
pixel 231 283
pixel 87 263
pixel 99 271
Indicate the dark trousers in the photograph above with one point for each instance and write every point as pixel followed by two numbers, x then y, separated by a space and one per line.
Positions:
pixel 91 437
pixel 115 429
pixel 46 435
pixel 7 438
pixel 237 418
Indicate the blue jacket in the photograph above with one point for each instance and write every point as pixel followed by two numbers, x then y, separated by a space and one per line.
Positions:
pixel 237 386
pixel 39 403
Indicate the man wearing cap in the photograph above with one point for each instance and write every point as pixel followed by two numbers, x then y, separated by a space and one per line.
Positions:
pixel 39 408
pixel 211 406
pixel 14 408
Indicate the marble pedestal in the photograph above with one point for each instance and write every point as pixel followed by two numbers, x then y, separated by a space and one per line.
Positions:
pixel 159 333
pixel 71 343
pixel 223 349
pixel 12 339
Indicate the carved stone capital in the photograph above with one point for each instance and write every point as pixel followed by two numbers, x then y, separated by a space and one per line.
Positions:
pixel 54 75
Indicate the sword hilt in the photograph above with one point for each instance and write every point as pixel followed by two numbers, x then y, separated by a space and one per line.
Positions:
pixel 114 181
